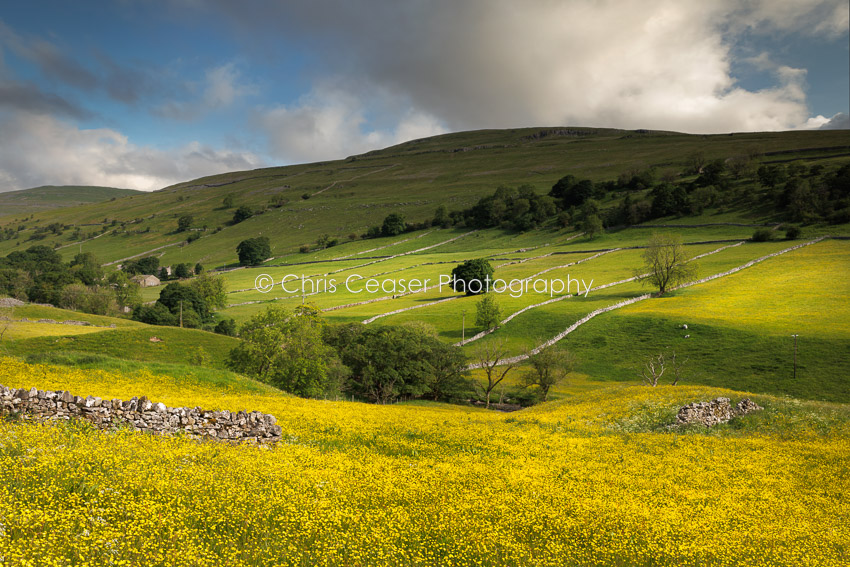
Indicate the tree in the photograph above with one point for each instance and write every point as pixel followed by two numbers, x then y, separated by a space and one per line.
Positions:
pixel 86 267
pixel 490 356
pixel 184 223
pixel 548 367
pixel 386 362
pixel 451 378
pixel 226 327
pixel 212 289
pixel 127 293
pixel 665 262
pixel 182 271
pixel 655 366
pixel 285 349
pixel 242 213
pixel 156 314
pixel 227 202
pixel 393 225
pixel 254 251
pixel 146 265
pixel 592 226
pixel 472 277
pixel 571 192
pixel 198 269
pixel 441 217
pixel 179 298
pixel 488 313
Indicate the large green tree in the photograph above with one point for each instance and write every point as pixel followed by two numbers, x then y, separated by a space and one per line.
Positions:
pixel 472 276
pixel 285 349
pixel 391 362
pixel 211 288
pixel 394 224
pixel 254 251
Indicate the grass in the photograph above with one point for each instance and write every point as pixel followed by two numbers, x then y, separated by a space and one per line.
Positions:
pixel 175 345
pixel 48 197
pixel 408 179
pixel 806 292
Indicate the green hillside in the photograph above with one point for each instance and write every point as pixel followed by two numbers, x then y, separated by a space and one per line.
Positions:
pixel 347 196
pixel 47 197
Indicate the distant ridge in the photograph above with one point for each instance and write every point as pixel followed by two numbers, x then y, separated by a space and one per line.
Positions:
pixel 49 197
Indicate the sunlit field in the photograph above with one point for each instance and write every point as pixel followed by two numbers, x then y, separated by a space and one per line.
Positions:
pixel 592 479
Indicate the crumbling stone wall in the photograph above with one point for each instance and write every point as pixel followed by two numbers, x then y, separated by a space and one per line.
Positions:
pixel 718 410
pixel 141 414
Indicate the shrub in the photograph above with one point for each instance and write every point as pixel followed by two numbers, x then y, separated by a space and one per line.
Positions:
pixel 792 233
pixel 242 213
pixel 762 235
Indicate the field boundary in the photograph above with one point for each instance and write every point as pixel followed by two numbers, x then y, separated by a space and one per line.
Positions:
pixel 592 314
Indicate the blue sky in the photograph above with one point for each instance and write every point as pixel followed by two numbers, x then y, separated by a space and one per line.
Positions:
pixel 142 94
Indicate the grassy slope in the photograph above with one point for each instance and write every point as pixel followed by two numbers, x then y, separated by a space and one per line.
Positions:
pixel 739 329
pixel 413 178
pixel 39 199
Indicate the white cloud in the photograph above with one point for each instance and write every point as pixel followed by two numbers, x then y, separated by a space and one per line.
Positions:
pixel 660 64
pixel 840 121
pixel 48 151
pixel 222 87
pixel 330 122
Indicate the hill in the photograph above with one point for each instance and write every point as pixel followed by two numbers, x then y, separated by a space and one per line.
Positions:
pixel 300 203
pixel 47 197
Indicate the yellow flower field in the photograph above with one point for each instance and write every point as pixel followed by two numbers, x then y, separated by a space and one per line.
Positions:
pixel 806 291
pixel 591 479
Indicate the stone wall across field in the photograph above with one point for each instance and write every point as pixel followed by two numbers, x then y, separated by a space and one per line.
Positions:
pixel 141 414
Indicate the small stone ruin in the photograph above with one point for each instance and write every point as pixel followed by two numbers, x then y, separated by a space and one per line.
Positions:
pixel 141 414
pixel 718 410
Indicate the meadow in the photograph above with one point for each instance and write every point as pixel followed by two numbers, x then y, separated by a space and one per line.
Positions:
pixel 593 479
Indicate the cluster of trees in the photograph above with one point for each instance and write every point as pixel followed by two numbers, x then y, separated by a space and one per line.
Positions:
pixel 149 265
pixel 809 194
pixel 298 352
pixel 189 305
pixel 39 275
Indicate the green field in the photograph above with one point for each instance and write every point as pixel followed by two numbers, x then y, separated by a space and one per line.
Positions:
pixel 39 199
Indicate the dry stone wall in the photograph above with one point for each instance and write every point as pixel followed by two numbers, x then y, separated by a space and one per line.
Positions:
pixel 141 414
pixel 718 410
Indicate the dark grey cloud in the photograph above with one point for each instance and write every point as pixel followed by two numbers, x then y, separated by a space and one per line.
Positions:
pixel 53 62
pixel 126 83
pixel 24 97
pixel 501 63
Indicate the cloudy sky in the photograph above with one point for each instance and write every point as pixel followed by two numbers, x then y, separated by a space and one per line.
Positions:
pixel 144 93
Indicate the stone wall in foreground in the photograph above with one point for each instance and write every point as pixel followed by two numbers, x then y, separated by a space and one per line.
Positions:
pixel 141 414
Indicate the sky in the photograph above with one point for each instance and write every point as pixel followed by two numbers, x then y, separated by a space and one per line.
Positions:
pixel 142 94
